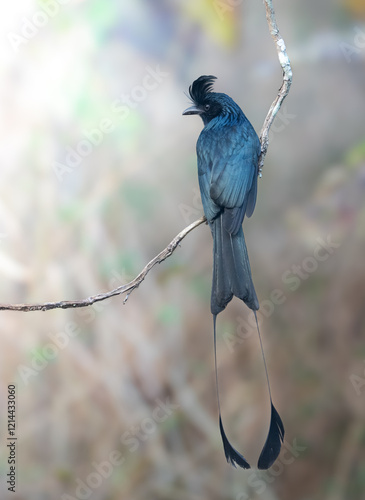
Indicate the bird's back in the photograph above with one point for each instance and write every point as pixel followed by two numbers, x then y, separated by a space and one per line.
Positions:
pixel 228 152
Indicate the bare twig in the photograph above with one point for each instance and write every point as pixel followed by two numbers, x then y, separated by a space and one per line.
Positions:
pixel 264 138
pixel 285 86
pixel 128 288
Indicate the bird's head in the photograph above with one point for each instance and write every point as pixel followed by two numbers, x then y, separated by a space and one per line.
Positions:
pixel 209 104
pixel 203 100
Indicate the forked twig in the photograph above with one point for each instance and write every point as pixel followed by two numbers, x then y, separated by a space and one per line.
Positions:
pixel 285 86
pixel 164 254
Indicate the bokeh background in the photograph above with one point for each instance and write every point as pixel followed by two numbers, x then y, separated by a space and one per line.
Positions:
pixel 118 402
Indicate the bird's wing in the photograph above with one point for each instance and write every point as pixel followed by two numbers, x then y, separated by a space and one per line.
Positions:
pixel 234 171
pixel 205 163
pixel 233 178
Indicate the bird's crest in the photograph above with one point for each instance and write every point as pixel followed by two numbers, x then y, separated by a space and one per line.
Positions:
pixel 201 87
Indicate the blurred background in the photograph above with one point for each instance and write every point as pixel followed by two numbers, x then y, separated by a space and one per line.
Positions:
pixel 98 174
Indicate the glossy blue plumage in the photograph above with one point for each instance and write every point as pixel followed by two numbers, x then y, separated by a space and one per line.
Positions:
pixel 228 151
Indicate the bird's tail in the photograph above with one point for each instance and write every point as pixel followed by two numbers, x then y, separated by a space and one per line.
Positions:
pixel 231 269
pixel 275 436
pixel 232 277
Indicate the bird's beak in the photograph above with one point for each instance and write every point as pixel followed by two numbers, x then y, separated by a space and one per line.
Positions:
pixel 193 110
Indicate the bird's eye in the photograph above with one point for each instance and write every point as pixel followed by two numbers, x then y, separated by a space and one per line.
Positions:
pixel 207 107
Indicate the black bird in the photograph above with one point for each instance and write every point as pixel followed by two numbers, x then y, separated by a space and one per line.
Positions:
pixel 228 150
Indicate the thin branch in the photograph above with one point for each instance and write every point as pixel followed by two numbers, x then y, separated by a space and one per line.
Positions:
pixel 285 86
pixel 264 138
pixel 128 288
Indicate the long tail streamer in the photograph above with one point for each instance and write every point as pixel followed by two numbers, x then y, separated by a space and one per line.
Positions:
pixel 233 456
pixel 275 436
